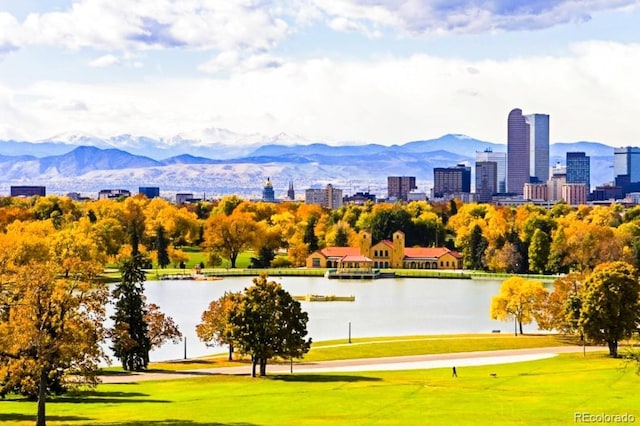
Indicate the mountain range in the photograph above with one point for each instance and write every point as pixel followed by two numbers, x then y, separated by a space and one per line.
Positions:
pixel 227 163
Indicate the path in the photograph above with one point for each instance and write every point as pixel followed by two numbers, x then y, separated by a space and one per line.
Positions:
pixel 412 362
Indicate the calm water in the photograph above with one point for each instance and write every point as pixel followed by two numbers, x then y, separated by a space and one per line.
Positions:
pixel 382 307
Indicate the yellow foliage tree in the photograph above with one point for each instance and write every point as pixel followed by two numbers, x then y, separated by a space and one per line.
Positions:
pixel 518 300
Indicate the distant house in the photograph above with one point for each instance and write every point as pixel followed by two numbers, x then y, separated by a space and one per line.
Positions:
pixel 386 254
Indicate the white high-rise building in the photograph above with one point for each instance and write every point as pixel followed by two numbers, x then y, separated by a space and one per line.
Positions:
pixel 538 145
pixel 500 158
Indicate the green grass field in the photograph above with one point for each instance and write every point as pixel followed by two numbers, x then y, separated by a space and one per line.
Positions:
pixel 543 392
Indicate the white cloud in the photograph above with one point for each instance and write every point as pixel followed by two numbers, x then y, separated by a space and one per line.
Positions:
pixel 391 100
pixel 462 16
pixel 157 24
pixel 105 61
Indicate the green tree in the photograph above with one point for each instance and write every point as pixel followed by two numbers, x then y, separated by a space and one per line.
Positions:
pixel 474 252
pixel 342 237
pixel 267 322
pixel 610 305
pixel 519 300
pixel 130 332
pixel 162 244
pixel 214 327
pixel 539 250
pixel 310 238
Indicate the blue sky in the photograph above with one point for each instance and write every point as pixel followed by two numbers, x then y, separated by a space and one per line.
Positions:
pixel 333 70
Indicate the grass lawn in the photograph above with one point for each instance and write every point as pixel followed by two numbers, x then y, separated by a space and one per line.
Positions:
pixel 391 346
pixel 543 392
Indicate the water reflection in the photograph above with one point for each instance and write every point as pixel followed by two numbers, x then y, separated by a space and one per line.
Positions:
pixel 384 307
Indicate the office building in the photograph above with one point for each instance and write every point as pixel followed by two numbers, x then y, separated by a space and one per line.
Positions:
pixel 149 191
pixel 626 161
pixel 535 191
pixel 579 169
pixel 538 146
pixel 27 191
pixel 500 158
pixel 556 181
pixel 328 197
pixel 574 193
pixel 268 194
pixel 486 180
pixel 398 187
pixel 518 152
pixel 451 180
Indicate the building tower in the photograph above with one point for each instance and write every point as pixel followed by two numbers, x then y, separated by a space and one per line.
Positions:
pixel 268 195
pixel 518 152
pixel 451 181
pixel 291 194
pixel 500 158
pixel 579 168
pixel 399 187
pixel 539 146
pixel 626 162
pixel 486 180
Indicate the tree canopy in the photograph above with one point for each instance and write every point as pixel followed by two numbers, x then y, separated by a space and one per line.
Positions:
pixel 266 322
pixel 518 300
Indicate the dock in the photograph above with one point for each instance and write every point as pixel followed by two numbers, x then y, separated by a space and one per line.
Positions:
pixel 322 298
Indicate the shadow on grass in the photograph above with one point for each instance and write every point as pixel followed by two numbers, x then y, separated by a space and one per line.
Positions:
pixel 9 417
pixel 97 397
pixel 322 378
pixel 172 422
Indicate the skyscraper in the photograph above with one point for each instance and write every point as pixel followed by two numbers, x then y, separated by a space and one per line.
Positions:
pixel 451 180
pixel 486 180
pixel 538 146
pixel 578 168
pixel 518 153
pixel 500 158
pixel 399 187
pixel 626 161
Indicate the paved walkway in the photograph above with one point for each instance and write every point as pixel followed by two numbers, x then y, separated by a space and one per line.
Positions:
pixel 459 359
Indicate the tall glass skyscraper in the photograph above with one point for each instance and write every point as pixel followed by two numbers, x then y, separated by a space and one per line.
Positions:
pixel 626 161
pixel 518 152
pixel 539 146
pixel 579 168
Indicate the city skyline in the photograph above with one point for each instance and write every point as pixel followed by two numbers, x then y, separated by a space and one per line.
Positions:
pixel 340 72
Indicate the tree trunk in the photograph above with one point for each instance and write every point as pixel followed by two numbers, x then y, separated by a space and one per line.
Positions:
pixel 42 396
pixel 254 361
pixel 232 259
pixel 230 352
pixel 263 367
pixel 520 324
pixel 613 348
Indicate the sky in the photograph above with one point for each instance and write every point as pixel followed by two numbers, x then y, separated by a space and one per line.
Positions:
pixel 339 71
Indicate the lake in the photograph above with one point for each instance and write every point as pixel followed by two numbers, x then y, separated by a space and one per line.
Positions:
pixel 383 307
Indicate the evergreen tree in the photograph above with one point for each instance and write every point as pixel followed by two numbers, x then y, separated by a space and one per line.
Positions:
pixel 162 244
pixel 342 237
pixel 310 237
pixel 539 250
pixel 130 337
pixel 477 246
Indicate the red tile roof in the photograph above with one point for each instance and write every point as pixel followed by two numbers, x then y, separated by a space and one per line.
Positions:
pixel 340 251
pixel 428 252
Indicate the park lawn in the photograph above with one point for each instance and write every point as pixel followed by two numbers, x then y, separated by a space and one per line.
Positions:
pixel 543 392
pixel 377 347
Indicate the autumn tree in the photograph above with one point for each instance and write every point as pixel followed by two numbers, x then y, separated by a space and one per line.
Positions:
pixel 266 322
pixel 50 321
pixel 214 327
pixel 610 305
pixel 229 235
pixel 518 300
pixel 161 328
pixel 561 309
pixel 130 332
